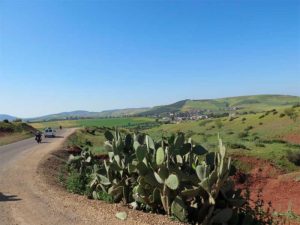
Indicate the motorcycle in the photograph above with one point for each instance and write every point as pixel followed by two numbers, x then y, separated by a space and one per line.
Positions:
pixel 38 139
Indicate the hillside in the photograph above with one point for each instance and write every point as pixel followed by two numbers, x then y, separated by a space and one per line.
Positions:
pixel 269 135
pixel 14 131
pixel 87 114
pixel 6 117
pixel 255 103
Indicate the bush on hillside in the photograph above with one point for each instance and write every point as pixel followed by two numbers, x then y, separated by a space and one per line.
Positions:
pixel 243 134
pixel 248 128
pixel 259 144
pixel 294 157
pixel 237 146
pixel 218 123
pixel 291 113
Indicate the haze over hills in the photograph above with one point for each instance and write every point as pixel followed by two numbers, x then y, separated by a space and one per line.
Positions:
pixel 6 117
pixel 253 103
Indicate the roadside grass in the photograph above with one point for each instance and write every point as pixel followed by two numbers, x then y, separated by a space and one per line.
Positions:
pixel 14 131
pixel 82 139
pixel 10 138
pixel 99 122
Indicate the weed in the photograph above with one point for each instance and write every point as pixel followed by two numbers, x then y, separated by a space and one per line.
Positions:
pixel 76 183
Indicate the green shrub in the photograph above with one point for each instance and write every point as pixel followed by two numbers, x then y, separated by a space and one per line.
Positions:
pixel 291 113
pixel 259 144
pixel 255 138
pixel 294 157
pixel 248 128
pixel 281 115
pixel 76 183
pixel 243 134
pixel 104 196
pixel 219 123
pixel 273 141
pixel 260 123
pixel 204 122
pixel 296 105
pixel 262 116
pixel 232 118
pixel 237 146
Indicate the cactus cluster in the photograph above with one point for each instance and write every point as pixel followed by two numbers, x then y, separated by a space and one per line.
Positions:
pixel 174 176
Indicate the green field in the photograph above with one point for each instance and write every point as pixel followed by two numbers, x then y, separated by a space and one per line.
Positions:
pixel 258 135
pixel 107 122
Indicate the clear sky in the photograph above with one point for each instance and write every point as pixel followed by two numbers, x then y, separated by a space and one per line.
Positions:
pixel 95 55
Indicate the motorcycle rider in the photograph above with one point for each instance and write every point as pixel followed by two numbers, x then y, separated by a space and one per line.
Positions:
pixel 38 136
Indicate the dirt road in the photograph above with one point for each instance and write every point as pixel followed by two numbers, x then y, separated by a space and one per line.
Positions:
pixel 27 198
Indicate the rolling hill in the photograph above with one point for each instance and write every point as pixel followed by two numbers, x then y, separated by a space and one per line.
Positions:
pixel 6 117
pixel 255 103
pixel 87 114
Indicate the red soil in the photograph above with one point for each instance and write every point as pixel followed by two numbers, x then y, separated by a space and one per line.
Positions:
pixel 2 134
pixel 278 188
pixel 292 138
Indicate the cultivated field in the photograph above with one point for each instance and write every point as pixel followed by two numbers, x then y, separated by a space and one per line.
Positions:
pixel 107 122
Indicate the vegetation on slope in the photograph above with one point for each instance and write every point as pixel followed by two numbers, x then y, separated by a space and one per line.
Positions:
pixel 255 103
pixel 269 135
pixel 14 131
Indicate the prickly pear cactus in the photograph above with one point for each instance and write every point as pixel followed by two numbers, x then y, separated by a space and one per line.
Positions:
pixel 175 176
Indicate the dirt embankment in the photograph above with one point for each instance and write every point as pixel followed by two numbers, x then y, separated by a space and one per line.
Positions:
pixel 282 190
pixel 292 138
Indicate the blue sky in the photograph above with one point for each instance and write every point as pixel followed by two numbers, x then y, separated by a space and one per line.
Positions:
pixel 95 55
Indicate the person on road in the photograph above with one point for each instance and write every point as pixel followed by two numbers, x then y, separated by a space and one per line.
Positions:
pixel 38 137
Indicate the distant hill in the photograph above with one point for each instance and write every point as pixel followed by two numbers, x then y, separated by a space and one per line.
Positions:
pixel 87 114
pixel 255 103
pixel 6 117
pixel 122 112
